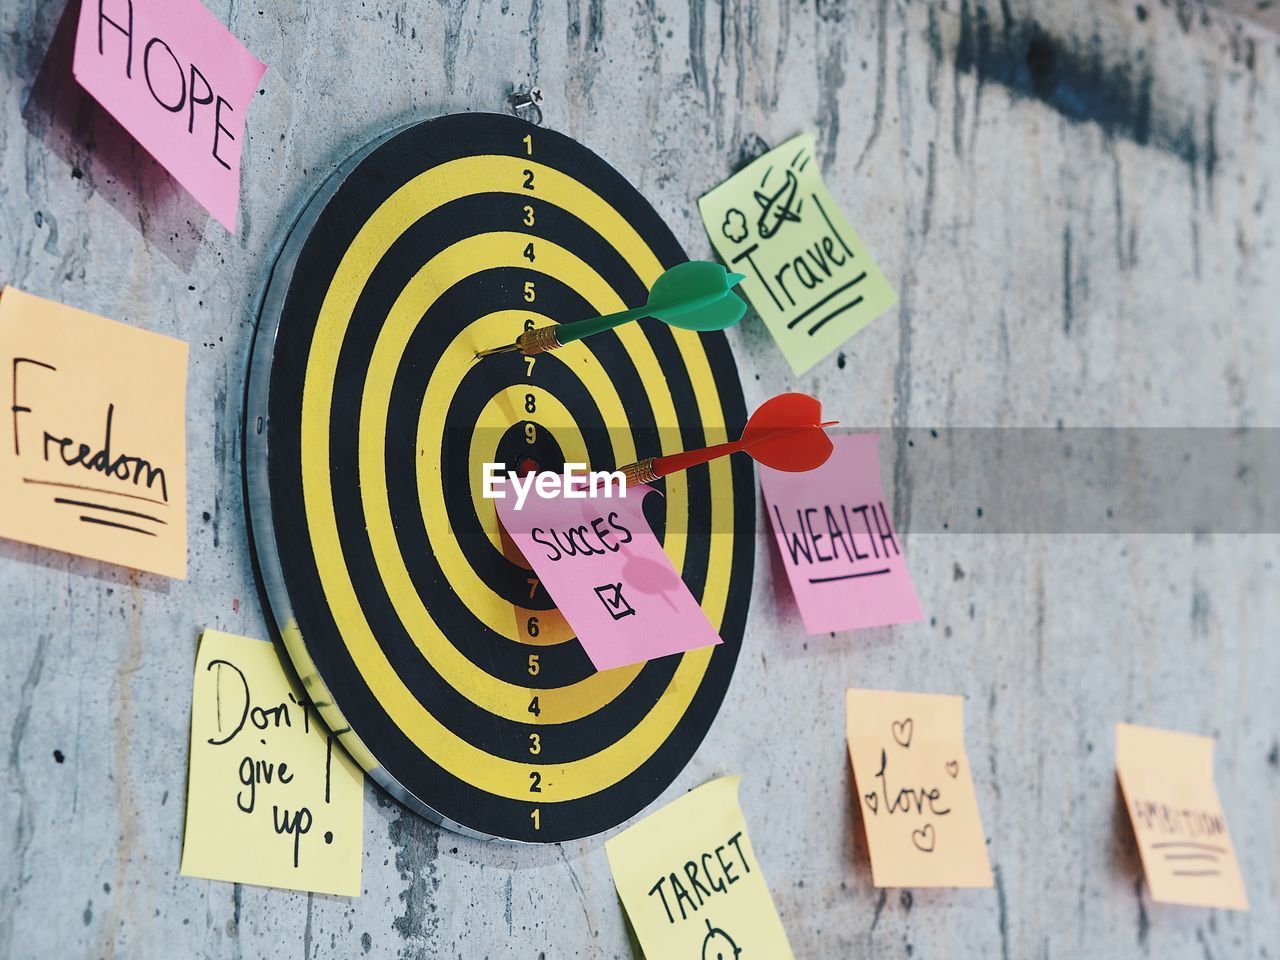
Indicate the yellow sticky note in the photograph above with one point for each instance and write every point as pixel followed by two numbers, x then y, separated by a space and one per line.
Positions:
pixel 93 454
pixel 1167 782
pixel 272 799
pixel 691 884
pixel 915 790
pixel 808 274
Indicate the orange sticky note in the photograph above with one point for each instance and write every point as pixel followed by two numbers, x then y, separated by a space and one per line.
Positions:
pixel 915 791
pixel 93 453
pixel 1167 782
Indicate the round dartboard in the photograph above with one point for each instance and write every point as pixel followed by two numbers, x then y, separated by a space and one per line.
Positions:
pixel 421 635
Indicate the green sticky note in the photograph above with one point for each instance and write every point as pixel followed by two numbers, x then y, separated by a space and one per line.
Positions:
pixel 807 272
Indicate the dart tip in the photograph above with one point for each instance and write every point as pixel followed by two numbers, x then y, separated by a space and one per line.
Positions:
pixel 736 278
pixel 830 423
pixel 505 348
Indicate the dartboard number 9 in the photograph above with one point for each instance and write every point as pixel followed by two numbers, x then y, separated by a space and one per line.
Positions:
pixel 419 631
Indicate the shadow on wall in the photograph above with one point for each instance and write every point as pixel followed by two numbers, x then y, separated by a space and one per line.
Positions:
pixel 102 154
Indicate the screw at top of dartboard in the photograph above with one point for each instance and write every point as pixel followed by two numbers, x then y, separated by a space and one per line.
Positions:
pixel 526 104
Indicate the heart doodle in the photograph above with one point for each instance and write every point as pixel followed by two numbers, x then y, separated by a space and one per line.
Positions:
pixel 873 801
pixel 902 731
pixel 953 768
pixel 924 838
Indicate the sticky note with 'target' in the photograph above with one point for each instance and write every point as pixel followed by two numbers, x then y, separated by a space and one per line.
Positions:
pixel 272 798
pixel 1167 782
pixel 691 883
pixel 915 791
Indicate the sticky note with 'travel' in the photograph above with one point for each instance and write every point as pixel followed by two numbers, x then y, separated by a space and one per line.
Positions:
pixel 600 562
pixel 691 883
pixel 179 82
pixel 808 274
pixel 272 798
pixel 1167 782
pixel 93 455
pixel 837 543
pixel 915 791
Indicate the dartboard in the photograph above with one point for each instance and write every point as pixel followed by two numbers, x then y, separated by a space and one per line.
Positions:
pixel 422 637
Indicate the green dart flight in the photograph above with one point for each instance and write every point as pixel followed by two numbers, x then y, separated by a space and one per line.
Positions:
pixel 697 295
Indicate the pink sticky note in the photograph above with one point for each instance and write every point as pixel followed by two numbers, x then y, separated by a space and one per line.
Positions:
pixel 179 82
pixel 600 561
pixel 837 542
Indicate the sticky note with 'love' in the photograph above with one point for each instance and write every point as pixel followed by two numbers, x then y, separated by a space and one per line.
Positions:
pixel 915 792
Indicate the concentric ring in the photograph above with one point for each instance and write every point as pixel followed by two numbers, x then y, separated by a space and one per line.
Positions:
pixel 422 637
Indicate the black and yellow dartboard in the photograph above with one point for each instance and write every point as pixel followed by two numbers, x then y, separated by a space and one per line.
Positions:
pixel 424 641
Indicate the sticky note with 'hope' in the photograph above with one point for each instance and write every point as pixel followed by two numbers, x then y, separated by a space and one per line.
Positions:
pixel 179 82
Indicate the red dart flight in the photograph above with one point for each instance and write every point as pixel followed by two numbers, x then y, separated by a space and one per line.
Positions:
pixel 786 433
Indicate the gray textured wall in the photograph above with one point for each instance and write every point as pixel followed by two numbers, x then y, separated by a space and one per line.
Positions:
pixel 1080 206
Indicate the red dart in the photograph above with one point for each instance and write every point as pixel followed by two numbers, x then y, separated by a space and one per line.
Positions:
pixel 786 433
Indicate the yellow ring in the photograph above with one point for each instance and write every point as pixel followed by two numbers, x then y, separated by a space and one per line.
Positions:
pixel 446 269
pixel 461 759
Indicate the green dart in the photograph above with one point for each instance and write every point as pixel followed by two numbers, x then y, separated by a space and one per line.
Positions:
pixel 697 295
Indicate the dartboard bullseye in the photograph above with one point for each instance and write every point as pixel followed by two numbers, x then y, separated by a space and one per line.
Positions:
pixel 423 637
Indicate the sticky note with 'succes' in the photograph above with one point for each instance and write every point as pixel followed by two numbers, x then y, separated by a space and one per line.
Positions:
pixel 691 883
pixel 272 798
pixel 1167 782
pixel 915 791
pixel 808 274
pixel 608 575
pixel 93 455
pixel 179 82
pixel 842 555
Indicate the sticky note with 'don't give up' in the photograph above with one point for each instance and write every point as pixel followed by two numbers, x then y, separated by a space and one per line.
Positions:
pixel 1167 782
pixel 601 563
pixel 807 272
pixel 837 543
pixel 272 798
pixel 915 791
pixel 93 457
pixel 690 882
pixel 179 82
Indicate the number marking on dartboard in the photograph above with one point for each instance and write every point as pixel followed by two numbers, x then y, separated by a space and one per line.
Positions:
pixel 456 682
pixel 531 407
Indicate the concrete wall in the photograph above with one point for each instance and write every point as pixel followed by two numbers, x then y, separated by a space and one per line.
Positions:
pixel 1079 205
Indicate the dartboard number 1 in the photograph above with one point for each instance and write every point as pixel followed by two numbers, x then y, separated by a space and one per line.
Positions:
pixel 528 144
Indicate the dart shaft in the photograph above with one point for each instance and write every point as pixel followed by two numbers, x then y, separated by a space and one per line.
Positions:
pixel 662 466
pixel 569 332
pixel 541 339
pixel 691 458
